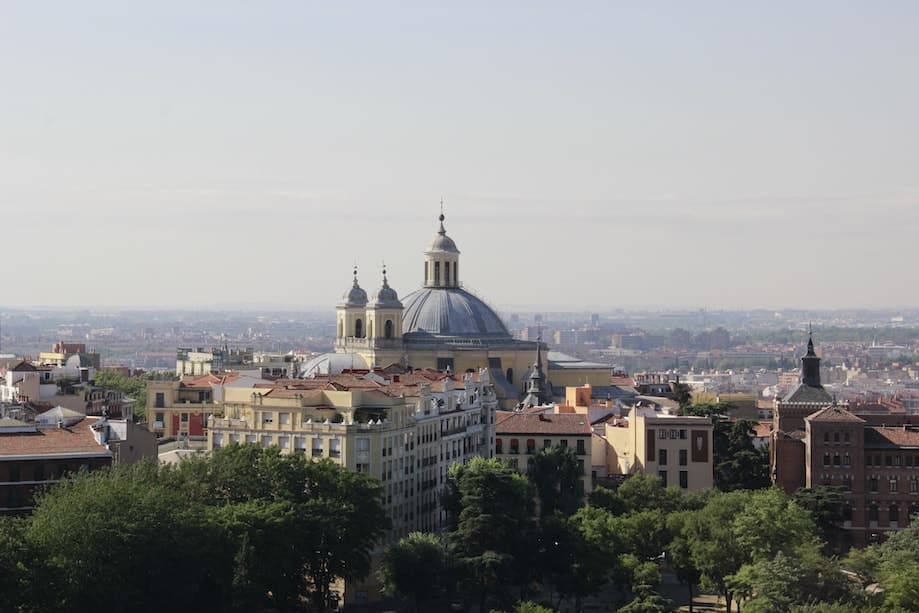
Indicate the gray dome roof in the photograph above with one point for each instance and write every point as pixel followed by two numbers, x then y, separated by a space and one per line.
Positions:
pixel 385 296
pixel 450 312
pixel 356 296
pixel 331 364
pixel 442 242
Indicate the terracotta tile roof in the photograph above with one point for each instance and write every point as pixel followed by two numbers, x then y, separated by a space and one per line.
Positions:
pixel 834 413
pixel 77 439
pixel 507 422
pixel 881 437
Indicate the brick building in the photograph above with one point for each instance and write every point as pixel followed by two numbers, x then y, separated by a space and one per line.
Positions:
pixel 875 465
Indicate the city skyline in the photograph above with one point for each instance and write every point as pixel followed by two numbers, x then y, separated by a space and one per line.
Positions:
pixel 714 156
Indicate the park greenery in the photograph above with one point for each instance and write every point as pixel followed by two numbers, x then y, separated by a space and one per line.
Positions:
pixel 132 386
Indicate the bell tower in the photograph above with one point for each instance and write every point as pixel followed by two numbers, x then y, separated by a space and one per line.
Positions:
pixel 351 317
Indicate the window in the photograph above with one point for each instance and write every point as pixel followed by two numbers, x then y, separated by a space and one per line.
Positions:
pixel 437 273
pixel 663 434
pixel 845 437
pixel 673 434
pixel 446 273
pixel 159 418
pixel 683 435
pixel 335 448
pixel 184 418
pixel 14 472
pixel 387 329
pixel 913 486
pixel 160 400
pixel 268 418
pixel 683 458
pixel 38 474
pixel 515 445
pixel 826 437
pixel 581 449
pixel 284 419
pixel 363 444
pixel 888 461
pixel 359 328
pixel 893 513
pixel 363 468
pixel 826 459
pixel 873 484
pixel 894 486
pixel 580 467
pixel 836 459
pixel 531 446
pixel 873 512
pixel 546 443
pixel 847 459
pixel 684 479
pixel 499 444
pixel 836 437
pixel 847 483
pixel 662 475
pixel 662 457
pixel 266 440
pixel 563 443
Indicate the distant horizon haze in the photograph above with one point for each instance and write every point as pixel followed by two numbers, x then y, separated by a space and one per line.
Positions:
pixel 717 155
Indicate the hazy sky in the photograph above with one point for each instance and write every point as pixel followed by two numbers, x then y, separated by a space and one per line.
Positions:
pixel 591 155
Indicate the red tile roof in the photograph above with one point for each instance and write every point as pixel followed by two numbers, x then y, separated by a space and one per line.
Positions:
pixel 507 422
pixel 53 441
pixel 834 413
pixel 880 436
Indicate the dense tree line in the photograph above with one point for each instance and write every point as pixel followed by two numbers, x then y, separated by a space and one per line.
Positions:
pixel 760 550
pixel 243 529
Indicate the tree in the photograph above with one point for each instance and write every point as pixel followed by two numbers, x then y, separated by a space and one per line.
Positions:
pixel 102 520
pixel 414 567
pixel 825 504
pixel 556 476
pixel 679 553
pixel 132 386
pixel 15 564
pixel 647 492
pixel 494 526
pixel 714 548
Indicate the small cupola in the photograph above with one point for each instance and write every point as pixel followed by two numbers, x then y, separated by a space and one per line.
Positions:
pixel 441 259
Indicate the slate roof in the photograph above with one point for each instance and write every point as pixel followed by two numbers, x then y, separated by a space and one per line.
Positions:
pixel 807 394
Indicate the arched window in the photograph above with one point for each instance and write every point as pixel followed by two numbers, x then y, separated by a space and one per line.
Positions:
pixel 531 446
pixel 437 274
pixel 339 329
pixel 873 512
pixel 359 328
pixel 510 375
pixel 387 329
pixel 893 513
pixel 515 445
pixel 425 273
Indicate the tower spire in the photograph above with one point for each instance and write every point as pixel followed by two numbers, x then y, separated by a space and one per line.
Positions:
pixel 810 364
pixel 442 230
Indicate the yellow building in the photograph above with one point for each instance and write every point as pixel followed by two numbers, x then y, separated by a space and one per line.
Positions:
pixel 405 430
pixel 652 441
pixel 520 435
pixel 439 326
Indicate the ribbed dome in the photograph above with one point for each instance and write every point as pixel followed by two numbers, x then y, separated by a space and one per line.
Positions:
pixel 331 364
pixel 450 312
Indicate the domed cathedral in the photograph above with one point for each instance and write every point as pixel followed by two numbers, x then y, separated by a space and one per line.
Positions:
pixel 440 325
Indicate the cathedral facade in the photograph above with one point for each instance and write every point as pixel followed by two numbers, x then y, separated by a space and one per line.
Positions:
pixel 440 326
